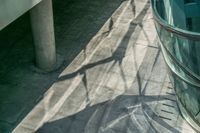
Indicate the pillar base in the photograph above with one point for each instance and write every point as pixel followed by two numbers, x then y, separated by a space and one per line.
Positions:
pixel 57 67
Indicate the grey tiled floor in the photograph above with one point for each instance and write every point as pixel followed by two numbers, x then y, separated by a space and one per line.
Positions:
pixel 117 84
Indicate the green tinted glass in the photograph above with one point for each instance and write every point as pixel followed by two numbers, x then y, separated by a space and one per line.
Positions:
pixel 178 27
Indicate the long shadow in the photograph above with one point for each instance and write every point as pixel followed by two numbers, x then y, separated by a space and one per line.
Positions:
pixel 118 55
pixel 21 88
pixel 118 118
pixel 148 113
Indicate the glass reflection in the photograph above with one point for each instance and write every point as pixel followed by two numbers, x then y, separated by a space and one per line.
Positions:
pixel 178 27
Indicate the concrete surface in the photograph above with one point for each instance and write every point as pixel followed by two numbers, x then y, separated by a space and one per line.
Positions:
pixel 117 83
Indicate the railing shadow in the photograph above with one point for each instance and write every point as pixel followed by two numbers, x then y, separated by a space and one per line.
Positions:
pixel 123 114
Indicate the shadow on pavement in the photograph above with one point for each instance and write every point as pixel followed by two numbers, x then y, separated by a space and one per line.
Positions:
pixel 124 114
pixel 76 22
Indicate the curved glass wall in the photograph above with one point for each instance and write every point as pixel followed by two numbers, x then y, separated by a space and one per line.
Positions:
pixel 178 27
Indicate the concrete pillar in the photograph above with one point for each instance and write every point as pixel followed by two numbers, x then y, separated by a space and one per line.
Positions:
pixel 43 35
